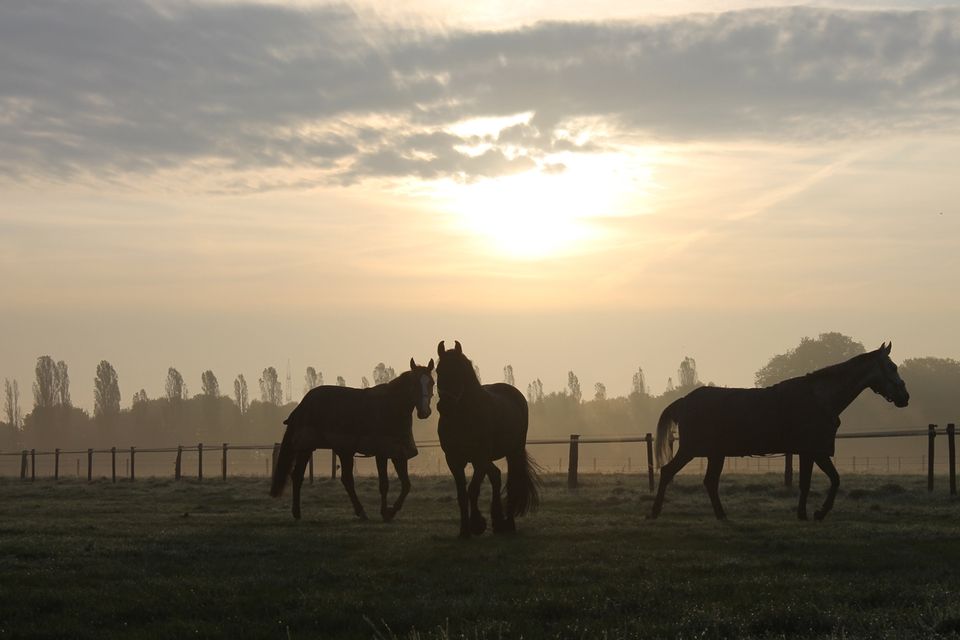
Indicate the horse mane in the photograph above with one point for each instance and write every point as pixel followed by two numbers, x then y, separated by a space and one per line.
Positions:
pixel 840 367
pixel 470 374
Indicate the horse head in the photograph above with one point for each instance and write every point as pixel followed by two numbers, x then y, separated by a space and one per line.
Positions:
pixel 454 374
pixel 422 387
pixel 886 381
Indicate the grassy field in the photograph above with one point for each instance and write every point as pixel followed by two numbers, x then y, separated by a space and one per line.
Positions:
pixel 162 559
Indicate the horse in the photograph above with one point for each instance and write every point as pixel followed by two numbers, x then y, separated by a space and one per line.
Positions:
pixel 480 424
pixel 375 422
pixel 800 415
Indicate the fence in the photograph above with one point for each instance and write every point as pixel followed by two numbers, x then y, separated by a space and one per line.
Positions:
pixel 268 454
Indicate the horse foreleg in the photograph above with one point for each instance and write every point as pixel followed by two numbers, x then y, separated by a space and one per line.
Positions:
pixel 400 464
pixel 346 477
pixel 460 479
pixel 500 524
pixel 826 465
pixel 806 470
pixel 299 466
pixel 384 479
pixel 667 472
pixel 711 480
pixel 478 523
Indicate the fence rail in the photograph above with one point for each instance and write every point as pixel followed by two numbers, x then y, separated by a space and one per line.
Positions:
pixel 28 457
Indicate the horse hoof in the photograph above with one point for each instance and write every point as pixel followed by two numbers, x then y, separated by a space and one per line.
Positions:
pixel 296 516
pixel 388 514
pixel 478 525
pixel 819 515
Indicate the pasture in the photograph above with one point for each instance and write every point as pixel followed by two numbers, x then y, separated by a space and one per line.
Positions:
pixel 162 559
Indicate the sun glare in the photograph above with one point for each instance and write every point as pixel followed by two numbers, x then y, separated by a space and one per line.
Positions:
pixel 539 214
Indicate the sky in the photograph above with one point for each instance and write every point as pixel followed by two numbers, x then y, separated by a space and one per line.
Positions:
pixel 234 185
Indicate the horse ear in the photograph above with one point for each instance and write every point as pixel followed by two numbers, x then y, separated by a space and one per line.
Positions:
pixel 456 345
pixel 889 347
pixel 413 365
pixel 430 366
pixel 440 348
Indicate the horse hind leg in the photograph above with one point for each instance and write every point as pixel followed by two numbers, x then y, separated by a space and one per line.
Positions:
pixel 667 472
pixel 826 465
pixel 500 523
pixel 806 470
pixel 711 480
pixel 478 524
pixel 299 467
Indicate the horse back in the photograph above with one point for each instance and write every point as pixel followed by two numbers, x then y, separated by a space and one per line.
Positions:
pixel 493 426
pixel 784 418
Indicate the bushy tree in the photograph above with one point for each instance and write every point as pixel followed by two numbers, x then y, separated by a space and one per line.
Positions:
pixel 508 375
pixel 12 404
pixel 45 386
pixel 210 386
pixel 341 382
pixel 174 387
pixel 241 394
pixel 271 392
pixel 600 391
pixel 535 391
pixel 811 354
pixel 383 374
pixel 61 381
pixel 639 385
pixel 106 393
pixel 687 374
pixel 573 385
pixel 312 380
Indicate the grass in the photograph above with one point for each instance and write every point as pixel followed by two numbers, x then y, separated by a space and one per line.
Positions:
pixel 164 559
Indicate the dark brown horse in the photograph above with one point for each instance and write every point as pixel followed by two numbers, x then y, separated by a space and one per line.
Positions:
pixel 800 415
pixel 375 421
pixel 480 424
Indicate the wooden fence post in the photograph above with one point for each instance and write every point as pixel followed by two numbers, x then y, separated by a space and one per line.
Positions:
pixel 952 452
pixel 33 465
pixel 310 464
pixel 23 465
pixel 574 461
pixel 176 465
pixel 133 464
pixel 89 465
pixel 199 461
pixel 931 435
pixel 788 470
pixel 113 464
pixel 650 477
pixel 56 463
pixel 224 460
pixel 333 465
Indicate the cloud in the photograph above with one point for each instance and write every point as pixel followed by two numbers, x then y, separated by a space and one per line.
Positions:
pixel 129 86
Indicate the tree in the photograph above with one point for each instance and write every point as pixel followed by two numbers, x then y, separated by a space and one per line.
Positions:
pixel 62 384
pixel 811 354
pixel 312 380
pixel 508 375
pixel 364 383
pixel 670 386
pixel 209 384
pixel 106 392
pixel 44 387
pixel 933 384
pixel 140 397
pixel 383 374
pixel 687 374
pixel 12 404
pixel 241 394
pixel 175 388
pixel 341 382
pixel 600 391
pixel 271 391
pixel 535 391
pixel 639 383
pixel 573 384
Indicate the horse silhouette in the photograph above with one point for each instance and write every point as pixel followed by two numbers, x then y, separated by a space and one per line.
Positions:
pixel 480 424
pixel 374 422
pixel 800 415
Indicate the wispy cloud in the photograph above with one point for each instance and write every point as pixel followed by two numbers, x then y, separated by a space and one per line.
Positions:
pixel 126 86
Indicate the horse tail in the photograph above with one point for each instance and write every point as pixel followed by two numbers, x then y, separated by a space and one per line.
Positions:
pixel 283 465
pixel 523 484
pixel 668 418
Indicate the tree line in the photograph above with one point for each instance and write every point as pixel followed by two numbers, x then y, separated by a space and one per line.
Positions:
pixel 214 416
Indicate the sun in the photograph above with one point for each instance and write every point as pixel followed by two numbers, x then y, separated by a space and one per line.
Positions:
pixel 540 214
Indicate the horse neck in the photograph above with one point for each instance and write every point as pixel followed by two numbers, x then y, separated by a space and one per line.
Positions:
pixel 397 388
pixel 844 385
